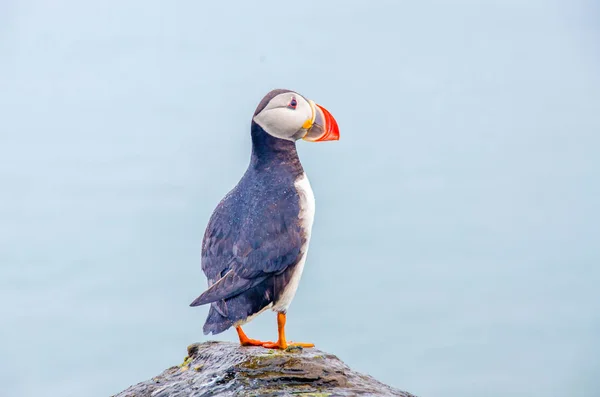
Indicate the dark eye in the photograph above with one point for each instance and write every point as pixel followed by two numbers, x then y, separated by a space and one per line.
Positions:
pixel 293 103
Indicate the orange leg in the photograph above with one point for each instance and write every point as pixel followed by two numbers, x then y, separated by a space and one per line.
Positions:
pixel 245 341
pixel 281 342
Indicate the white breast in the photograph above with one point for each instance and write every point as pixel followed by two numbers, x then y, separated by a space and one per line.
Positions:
pixel 307 215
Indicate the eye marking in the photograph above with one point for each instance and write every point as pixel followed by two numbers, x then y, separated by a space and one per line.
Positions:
pixel 293 103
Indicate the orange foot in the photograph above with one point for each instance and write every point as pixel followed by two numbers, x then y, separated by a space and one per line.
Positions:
pixel 283 345
pixel 245 341
pixel 281 342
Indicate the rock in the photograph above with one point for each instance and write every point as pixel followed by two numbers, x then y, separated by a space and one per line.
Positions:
pixel 227 369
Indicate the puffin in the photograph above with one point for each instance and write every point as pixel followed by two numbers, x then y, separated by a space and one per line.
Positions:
pixel 255 244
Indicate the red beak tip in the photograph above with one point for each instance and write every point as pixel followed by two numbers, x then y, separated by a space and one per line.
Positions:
pixel 332 130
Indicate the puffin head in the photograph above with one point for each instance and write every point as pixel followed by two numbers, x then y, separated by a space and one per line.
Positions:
pixel 285 114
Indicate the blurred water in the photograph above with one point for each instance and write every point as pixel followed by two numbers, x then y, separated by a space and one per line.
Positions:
pixel 455 247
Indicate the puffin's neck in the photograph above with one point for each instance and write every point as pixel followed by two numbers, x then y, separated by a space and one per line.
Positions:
pixel 269 153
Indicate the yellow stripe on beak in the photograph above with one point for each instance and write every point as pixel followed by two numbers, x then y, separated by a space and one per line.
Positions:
pixel 308 123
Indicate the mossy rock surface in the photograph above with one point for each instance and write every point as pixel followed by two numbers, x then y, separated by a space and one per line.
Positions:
pixel 227 369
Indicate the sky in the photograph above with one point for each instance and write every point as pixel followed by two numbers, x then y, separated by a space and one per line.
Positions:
pixel 455 246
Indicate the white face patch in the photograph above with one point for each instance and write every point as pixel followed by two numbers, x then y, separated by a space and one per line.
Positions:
pixel 281 120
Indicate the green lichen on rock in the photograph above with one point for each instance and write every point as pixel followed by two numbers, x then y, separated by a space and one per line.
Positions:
pixel 294 349
pixel 227 369
pixel 185 365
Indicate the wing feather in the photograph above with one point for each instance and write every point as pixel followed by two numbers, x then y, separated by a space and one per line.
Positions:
pixel 228 286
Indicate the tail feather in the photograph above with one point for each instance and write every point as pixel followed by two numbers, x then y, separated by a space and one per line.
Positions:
pixel 215 322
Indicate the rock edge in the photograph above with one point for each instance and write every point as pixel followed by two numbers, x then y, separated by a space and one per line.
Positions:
pixel 227 369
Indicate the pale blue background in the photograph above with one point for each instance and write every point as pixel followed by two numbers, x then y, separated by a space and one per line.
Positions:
pixel 456 244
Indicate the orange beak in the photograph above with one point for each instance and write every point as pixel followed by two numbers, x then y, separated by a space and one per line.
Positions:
pixel 322 127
